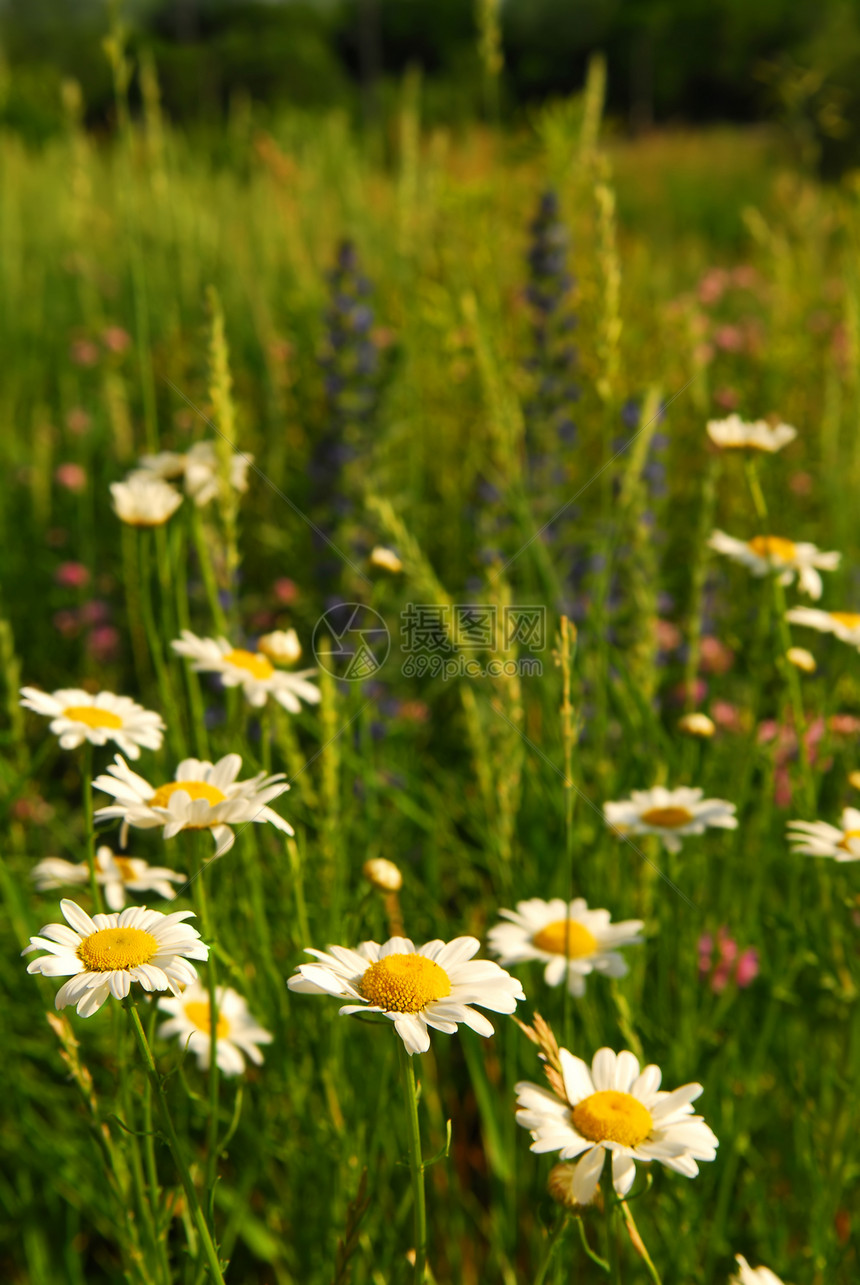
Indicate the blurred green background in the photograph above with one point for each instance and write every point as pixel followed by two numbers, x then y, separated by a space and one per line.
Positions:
pixel 794 62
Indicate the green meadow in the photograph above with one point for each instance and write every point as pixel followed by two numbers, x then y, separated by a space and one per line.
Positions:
pixel 493 354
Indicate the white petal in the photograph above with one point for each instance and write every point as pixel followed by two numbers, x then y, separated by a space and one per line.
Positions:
pixel 623 1173
pixel 413 1032
pixel 587 1175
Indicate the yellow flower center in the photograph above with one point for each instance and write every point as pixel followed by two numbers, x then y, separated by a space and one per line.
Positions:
pixel 566 937
pixel 92 716
pixel 850 619
pixel 256 664
pixel 667 818
pixel 198 1013
pixel 404 983
pixel 845 842
pixel 773 548
pixel 114 948
pixel 194 789
pixel 610 1116
pixel 126 869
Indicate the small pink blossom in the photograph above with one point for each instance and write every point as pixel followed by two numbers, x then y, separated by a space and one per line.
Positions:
pixel 71 476
pixel 286 591
pixel 668 635
pixel 703 354
pixel 261 621
pixel 727 398
pixel 784 740
pixel 714 656
pixel 818 321
pixel 844 724
pixel 94 612
pixel 72 575
pixel 729 338
pixel 84 352
pixel 33 809
pixel 747 969
pixel 725 964
pixel 414 711
pixel 801 483
pixel 727 716
pixel 66 623
pixel 78 421
pixel 115 339
pixel 745 277
pixel 782 787
pixel 103 643
pixel 713 285
pixel 682 692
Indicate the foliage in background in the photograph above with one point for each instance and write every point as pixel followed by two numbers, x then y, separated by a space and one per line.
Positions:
pixel 795 63
pixel 709 277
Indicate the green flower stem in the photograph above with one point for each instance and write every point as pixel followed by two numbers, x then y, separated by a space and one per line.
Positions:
pixel 554 1242
pixel 131 579
pixel 183 616
pixel 756 492
pixel 697 588
pixel 151 1164
pixel 610 1204
pixel 202 907
pixel 209 1250
pixel 790 673
pixel 595 1258
pixel 208 571
pixel 566 652
pixel 164 569
pixel 416 1163
pixel 212 1148
pixel 154 638
pixel 87 778
pixel 146 1207
pixel 638 1243
pixel 792 679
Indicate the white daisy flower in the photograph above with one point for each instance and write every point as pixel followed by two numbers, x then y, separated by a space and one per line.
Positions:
pixel 571 940
pixel 202 796
pixel 671 814
pixel 102 956
pixel 282 646
pixel 144 499
pixel 252 671
pixel 237 1034
pixel 844 625
pixel 736 434
pixel 433 986
pixel 614 1108
pixel 766 553
pixel 199 467
pixel 117 875
pixel 78 716
pixel 747 1275
pixel 818 839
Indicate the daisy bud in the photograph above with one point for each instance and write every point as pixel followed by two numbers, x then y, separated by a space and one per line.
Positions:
pixel 281 646
pixel 801 659
pixel 386 559
pixel 559 1184
pixel 382 874
pixel 696 724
